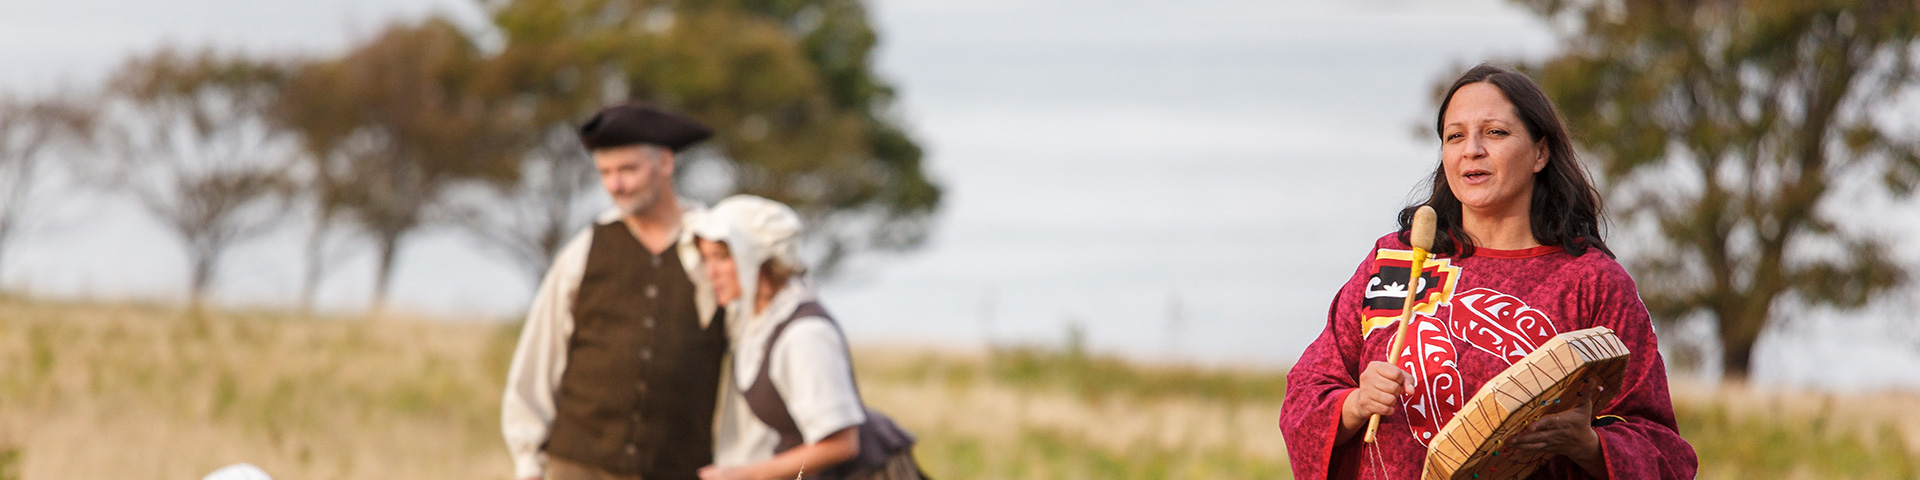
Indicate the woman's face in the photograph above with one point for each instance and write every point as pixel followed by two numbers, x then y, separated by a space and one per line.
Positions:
pixel 720 270
pixel 1488 154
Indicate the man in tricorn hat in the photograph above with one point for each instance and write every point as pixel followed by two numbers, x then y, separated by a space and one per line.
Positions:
pixel 618 366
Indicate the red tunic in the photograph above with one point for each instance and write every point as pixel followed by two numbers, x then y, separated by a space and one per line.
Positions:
pixel 1474 318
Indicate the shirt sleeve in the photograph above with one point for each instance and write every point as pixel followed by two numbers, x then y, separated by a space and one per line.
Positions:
pixel 1646 443
pixel 527 406
pixel 1319 382
pixel 811 369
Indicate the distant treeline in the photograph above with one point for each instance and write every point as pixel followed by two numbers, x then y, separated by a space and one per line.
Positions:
pixel 433 123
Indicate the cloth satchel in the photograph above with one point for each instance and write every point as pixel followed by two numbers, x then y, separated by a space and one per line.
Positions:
pixel 886 450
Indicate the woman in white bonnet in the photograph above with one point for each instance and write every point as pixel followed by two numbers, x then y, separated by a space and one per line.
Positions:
pixel 750 248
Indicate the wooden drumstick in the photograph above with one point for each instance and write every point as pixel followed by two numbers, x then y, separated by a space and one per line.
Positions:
pixel 1422 239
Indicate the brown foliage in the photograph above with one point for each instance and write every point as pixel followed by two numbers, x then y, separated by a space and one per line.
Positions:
pixel 394 123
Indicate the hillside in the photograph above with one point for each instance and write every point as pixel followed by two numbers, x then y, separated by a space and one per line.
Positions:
pixel 135 392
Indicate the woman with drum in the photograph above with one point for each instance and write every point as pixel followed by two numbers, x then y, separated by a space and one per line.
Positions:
pixel 1518 259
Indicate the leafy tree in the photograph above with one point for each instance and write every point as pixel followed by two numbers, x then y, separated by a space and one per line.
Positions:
pixel 1728 126
pixel 189 139
pixel 390 126
pixel 789 86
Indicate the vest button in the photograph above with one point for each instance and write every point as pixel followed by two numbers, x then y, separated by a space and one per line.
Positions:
pixel 656 260
pixel 632 450
pixel 646 354
pixel 652 291
pixel 640 388
pixel 647 323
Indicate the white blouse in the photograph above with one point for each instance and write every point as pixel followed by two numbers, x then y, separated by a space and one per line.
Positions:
pixel 810 368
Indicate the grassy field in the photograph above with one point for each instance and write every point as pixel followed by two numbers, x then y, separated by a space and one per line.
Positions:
pixel 137 392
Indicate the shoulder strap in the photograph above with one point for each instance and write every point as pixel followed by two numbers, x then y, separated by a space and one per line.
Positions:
pixel 764 399
pixel 809 309
pixel 880 438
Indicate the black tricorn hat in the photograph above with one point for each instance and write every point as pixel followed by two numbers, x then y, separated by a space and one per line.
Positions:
pixel 636 123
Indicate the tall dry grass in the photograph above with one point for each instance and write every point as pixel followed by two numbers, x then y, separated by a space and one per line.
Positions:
pixel 1743 433
pixel 1058 414
pixel 132 392
pixel 137 392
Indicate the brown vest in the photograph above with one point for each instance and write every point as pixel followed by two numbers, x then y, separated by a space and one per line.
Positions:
pixel 642 375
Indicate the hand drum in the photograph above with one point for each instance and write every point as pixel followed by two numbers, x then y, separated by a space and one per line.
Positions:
pixel 1550 380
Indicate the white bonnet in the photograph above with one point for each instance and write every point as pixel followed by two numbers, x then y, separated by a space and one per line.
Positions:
pixel 755 230
pixel 239 471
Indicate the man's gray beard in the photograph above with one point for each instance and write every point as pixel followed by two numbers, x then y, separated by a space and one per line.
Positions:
pixel 640 204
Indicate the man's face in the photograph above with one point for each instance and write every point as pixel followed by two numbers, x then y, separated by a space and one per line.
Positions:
pixel 635 175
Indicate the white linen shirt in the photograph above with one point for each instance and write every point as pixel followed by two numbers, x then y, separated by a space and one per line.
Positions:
pixel 527 408
pixel 810 368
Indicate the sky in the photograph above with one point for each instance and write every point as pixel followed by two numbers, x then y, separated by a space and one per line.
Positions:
pixel 1185 181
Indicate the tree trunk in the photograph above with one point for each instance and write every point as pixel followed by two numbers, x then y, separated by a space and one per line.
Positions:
pixel 3 265
pixel 310 279
pixel 6 233
pixel 1736 359
pixel 1740 326
pixel 389 245
pixel 202 280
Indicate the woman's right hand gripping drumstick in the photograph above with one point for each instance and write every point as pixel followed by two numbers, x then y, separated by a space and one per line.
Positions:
pixel 1381 385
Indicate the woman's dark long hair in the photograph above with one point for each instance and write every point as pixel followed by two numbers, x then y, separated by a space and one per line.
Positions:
pixel 1565 210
